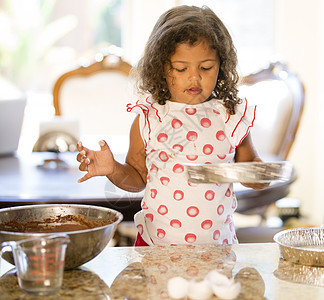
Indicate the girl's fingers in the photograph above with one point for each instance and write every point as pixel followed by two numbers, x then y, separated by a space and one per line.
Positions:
pixel 79 146
pixel 80 157
pixel 257 186
pixel 103 145
pixel 84 160
pixel 84 178
pixel 84 164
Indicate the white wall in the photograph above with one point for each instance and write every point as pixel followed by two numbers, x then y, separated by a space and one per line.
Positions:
pixel 299 37
pixel 320 81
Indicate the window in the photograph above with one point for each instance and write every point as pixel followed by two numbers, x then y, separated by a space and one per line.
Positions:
pixel 41 39
pixel 48 37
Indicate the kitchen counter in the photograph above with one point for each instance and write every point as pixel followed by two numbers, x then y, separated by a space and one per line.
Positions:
pixel 143 273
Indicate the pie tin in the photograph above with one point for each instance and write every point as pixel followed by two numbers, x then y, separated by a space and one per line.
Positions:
pixel 244 172
pixel 304 246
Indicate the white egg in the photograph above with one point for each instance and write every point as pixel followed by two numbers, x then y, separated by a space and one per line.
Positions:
pixel 214 277
pixel 222 286
pixel 227 292
pixel 199 290
pixel 177 287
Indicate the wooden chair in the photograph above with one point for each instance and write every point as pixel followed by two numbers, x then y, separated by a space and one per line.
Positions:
pixel 279 95
pixel 97 95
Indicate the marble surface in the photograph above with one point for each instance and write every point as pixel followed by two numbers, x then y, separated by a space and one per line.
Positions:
pixel 143 273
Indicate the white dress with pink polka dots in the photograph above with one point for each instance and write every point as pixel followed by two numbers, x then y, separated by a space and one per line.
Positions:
pixel 175 211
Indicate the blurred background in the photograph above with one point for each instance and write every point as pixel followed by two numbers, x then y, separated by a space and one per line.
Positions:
pixel 42 39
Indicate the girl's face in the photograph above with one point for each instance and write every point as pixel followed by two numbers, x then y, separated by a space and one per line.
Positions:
pixel 193 72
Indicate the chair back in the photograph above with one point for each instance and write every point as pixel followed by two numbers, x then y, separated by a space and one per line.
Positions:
pixel 279 95
pixel 97 96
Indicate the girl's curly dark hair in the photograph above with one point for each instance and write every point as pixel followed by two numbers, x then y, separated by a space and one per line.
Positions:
pixel 188 24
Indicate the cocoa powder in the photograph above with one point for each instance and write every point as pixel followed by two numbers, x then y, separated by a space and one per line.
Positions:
pixel 56 224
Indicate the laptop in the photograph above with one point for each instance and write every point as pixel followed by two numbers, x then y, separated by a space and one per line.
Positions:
pixel 11 119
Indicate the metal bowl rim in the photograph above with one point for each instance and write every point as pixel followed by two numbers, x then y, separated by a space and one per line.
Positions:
pixel 118 214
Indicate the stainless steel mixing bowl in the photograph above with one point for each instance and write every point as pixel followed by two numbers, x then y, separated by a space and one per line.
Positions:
pixel 84 244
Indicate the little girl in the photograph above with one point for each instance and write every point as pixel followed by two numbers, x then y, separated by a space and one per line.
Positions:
pixel 192 115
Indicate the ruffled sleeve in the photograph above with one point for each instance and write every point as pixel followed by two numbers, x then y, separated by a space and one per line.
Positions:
pixel 149 115
pixel 237 126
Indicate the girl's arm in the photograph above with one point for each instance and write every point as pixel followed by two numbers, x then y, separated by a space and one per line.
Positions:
pixel 246 152
pixel 130 176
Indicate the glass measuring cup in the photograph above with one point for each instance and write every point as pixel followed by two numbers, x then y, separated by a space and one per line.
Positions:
pixel 39 262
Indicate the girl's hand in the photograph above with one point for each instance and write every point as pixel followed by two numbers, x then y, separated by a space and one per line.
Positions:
pixel 95 163
pixel 257 185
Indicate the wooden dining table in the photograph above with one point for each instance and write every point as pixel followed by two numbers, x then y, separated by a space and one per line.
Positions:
pixel 25 180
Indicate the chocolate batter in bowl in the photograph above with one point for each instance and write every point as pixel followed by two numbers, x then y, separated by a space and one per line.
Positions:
pixel 90 228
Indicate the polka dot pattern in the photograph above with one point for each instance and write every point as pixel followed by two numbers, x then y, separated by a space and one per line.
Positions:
pixel 192 136
pixel 178 195
pixel 176 123
pixel 209 195
pixel 163 156
pixel 207 224
pixel 165 180
pixel 178 168
pixel 192 157
pixel 140 229
pixel 162 137
pixel 149 217
pixel 192 211
pixel 220 135
pixel 177 147
pixel 190 110
pixel 208 149
pixel 153 193
pixel 190 238
pixel 216 235
pixel 160 233
pixel 175 210
pixel 162 210
pixel 221 156
pixel 205 122
pixel 220 209
pixel 175 223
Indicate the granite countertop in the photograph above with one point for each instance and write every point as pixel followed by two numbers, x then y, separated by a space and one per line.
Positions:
pixel 143 273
